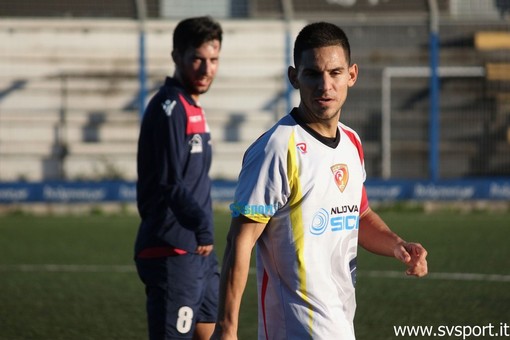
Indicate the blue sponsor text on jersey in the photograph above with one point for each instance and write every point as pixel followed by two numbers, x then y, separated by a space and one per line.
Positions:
pixel 338 219
pixel 245 209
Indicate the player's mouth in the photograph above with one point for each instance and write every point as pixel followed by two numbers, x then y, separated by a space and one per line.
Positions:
pixel 202 82
pixel 323 100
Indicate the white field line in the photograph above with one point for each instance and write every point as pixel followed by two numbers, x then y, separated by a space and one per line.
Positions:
pixel 436 276
pixel 390 274
pixel 68 268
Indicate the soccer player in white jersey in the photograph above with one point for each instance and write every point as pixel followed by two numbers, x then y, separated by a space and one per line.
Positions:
pixel 301 200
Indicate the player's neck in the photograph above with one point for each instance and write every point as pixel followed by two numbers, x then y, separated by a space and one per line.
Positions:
pixel 327 129
pixel 195 96
pixel 324 127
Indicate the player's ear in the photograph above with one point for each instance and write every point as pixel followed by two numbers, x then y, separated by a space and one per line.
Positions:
pixel 353 74
pixel 292 74
pixel 176 57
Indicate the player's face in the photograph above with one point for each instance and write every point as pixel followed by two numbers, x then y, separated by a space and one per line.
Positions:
pixel 197 67
pixel 323 78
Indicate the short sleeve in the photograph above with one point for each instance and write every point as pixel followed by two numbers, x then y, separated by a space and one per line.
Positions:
pixel 262 187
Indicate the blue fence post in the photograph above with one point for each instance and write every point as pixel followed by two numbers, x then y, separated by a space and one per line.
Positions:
pixel 142 77
pixel 434 133
pixel 141 10
pixel 288 15
pixel 288 61
pixel 434 125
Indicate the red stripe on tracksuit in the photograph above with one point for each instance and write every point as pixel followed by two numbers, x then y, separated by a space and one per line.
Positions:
pixel 263 291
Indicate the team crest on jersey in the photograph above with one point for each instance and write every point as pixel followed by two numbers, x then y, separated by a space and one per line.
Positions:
pixel 196 144
pixel 341 175
pixel 301 147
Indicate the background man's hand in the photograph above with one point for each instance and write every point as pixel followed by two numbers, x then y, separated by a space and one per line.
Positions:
pixel 204 250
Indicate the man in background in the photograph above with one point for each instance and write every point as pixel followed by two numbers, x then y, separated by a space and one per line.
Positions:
pixel 174 246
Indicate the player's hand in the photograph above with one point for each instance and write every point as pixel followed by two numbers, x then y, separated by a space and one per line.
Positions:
pixel 204 250
pixel 415 258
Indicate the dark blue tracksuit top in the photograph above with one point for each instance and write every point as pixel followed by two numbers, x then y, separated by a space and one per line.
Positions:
pixel 173 188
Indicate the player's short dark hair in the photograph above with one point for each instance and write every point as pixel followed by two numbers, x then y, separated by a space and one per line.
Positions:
pixel 320 34
pixel 193 32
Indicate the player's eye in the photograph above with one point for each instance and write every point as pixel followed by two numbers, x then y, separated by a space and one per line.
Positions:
pixel 311 73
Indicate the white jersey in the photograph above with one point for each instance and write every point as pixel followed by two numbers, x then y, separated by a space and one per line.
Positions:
pixel 311 196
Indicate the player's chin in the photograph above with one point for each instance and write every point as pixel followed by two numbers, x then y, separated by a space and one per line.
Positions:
pixel 326 113
pixel 202 89
pixel 326 108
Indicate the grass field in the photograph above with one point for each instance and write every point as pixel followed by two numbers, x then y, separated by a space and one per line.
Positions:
pixel 72 277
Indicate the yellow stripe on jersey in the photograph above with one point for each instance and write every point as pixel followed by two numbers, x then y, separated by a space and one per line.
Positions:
pixel 296 220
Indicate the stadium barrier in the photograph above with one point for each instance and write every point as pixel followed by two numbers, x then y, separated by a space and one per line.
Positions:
pixel 223 191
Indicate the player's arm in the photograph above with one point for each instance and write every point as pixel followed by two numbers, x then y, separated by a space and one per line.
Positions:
pixel 376 237
pixel 234 274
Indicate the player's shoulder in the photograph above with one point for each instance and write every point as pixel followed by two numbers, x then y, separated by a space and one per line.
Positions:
pixel 353 135
pixel 347 128
pixel 169 101
pixel 172 90
pixel 278 134
pixel 273 141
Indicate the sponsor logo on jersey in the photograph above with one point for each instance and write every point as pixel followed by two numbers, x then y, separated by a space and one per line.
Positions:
pixel 301 147
pixel 196 144
pixel 245 209
pixel 341 175
pixel 343 218
pixel 168 106
pixel 196 122
pixel 195 118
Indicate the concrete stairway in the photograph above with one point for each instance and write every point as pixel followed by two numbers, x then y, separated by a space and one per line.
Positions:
pixel 68 94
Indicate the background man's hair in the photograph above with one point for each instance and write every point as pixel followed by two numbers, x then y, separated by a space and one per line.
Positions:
pixel 320 34
pixel 193 32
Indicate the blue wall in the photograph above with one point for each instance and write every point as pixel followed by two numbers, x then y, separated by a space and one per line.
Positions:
pixel 378 190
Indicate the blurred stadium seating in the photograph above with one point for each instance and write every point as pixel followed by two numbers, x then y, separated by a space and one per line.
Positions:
pixel 69 84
